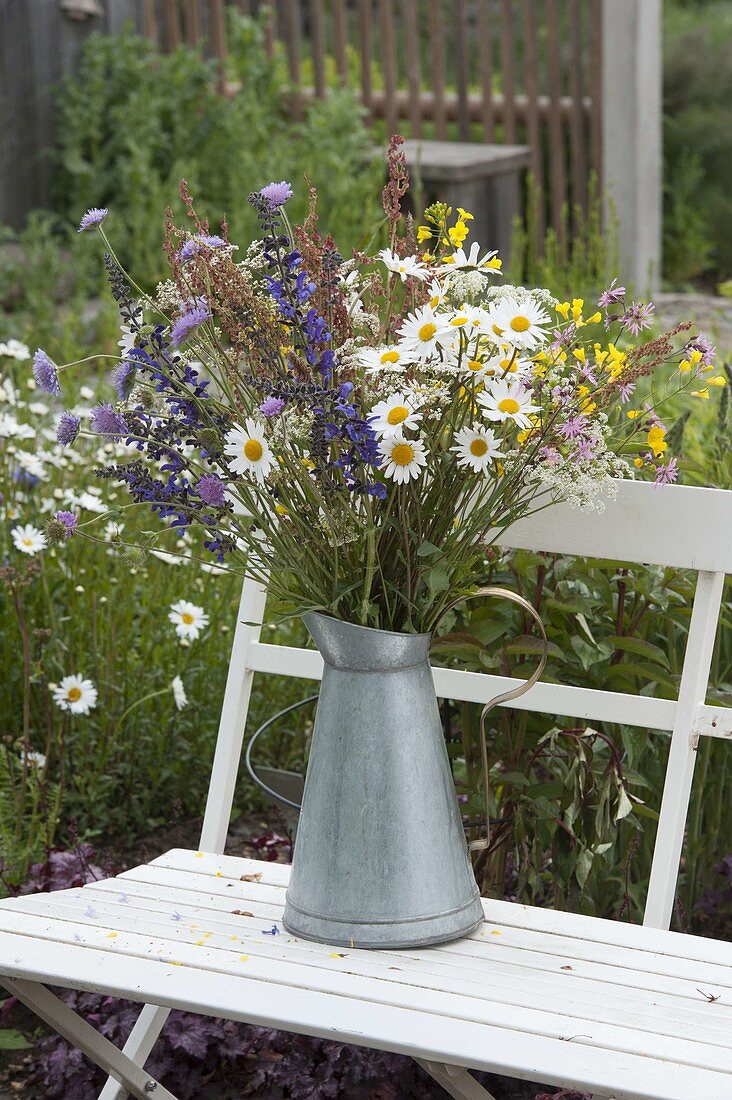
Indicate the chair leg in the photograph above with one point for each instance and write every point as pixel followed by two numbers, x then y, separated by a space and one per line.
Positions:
pixel 99 1050
pixel 455 1080
pixel 140 1042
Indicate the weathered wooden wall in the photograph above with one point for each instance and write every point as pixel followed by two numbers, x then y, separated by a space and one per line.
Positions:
pixel 39 42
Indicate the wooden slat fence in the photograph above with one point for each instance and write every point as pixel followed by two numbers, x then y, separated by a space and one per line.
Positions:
pixel 508 71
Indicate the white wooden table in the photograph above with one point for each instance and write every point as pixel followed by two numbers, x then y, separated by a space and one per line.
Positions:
pixel 558 998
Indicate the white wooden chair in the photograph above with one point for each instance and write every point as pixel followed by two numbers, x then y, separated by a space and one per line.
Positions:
pixel 619 1010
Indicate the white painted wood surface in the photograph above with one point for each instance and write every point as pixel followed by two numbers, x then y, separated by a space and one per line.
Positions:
pixel 571 1001
pixel 623 1011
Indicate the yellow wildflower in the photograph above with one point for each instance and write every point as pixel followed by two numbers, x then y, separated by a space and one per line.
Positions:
pixel 563 308
pixel 458 233
pixel 465 214
pixel 718 380
pixel 577 304
pixel 423 233
pixel 495 264
pixel 684 366
pixel 579 353
pixel 638 462
pixel 704 394
pixel 632 414
pixel 594 319
pixel 656 440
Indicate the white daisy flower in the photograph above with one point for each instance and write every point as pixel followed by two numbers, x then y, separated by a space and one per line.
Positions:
pixel 476 447
pixel 403 458
pixel 404 266
pixel 87 393
pixel 461 259
pixel 28 539
pixel 179 692
pixel 390 357
pixel 248 451
pixel 35 759
pixel 497 366
pixel 129 333
pixel 10 428
pixel 437 294
pixel 75 694
pixel 392 416
pixel 32 464
pixel 520 324
pixel 423 332
pixel 506 399
pixel 189 619
pixel 13 349
pixel 89 501
pixel 112 531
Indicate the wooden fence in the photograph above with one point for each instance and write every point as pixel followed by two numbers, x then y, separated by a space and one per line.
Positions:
pixel 510 71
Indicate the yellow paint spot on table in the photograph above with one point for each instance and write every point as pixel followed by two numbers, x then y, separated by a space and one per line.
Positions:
pixel 111 935
pixel 496 932
pixel 243 958
pixel 199 855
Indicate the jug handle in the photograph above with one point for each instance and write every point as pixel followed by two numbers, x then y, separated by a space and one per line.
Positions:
pixel 505 696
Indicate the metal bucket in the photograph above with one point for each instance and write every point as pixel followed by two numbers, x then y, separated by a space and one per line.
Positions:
pixel 380 859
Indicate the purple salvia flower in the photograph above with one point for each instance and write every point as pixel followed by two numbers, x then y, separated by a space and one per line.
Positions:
pixel 626 392
pixel 276 194
pixel 93 216
pixel 67 428
pixel 194 246
pixel 637 317
pixel 45 373
pixel 272 406
pixel 106 421
pixel 667 474
pixel 612 295
pixel 195 314
pixel 69 521
pixel 212 490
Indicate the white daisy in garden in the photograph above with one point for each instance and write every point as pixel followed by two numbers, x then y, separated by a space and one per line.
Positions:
pixel 460 259
pixel 31 464
pixel 476 447
pixel 35 759
pixel 422 333
pixel 390 357
pixel 520 324
pixel 112 531
pixel 403 459
pixel 188 619
pixel 437 294
pixel 507 399
pixel 404 266
pixel 506 363
pixel 75 694
pixel 28 539
pixel 248 451
pixel 393 415
pixel 13 349
pixel 179 692
pixel 10 428
pixel 128 332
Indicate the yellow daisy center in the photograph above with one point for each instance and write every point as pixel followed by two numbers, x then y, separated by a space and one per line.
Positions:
pixel 498 331
pixel 390 357
pixel 435 301
pixel 474 364
pixel 253 450
pixel 458 321
pixel 509 405
pixel 402 454
pixel 520 323
pixel 427 331
pixel 478 448
pixel 27 542
pixel 187 618
pixel 397 415
pixel 74 694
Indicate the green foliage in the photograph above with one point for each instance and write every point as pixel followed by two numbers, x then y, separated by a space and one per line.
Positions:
pixel 133 122
pixel 697 146
pixel 582 267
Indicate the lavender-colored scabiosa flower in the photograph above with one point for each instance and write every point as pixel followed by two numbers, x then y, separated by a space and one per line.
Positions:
pixel 196 244
pixel 272 406
pixel 67 428
pixel 196 312
pixel 45 373
pixel 276 194
pixel 637 317
pixel 612 295
pixel 123 377
pixel 94 216
pixel 69 521
pixel 106 421
pixel 212 490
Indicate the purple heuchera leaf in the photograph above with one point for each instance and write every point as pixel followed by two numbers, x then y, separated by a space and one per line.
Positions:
pixel 62 870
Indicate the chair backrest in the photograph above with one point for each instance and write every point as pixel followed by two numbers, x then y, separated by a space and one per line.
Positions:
pixel 676 526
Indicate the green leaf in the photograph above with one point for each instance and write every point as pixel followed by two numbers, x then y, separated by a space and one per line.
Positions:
pixel 12 1039
pixel 427 549
pixel 641 648
pixel 438 580
pixel 527 644
pixel 584 866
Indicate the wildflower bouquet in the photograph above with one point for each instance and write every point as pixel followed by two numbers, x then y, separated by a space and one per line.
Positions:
pixel 355 432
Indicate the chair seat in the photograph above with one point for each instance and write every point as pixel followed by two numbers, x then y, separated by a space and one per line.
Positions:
pixel 547 996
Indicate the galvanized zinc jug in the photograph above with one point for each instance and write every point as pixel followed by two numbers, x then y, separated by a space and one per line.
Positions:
pixel 380 858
